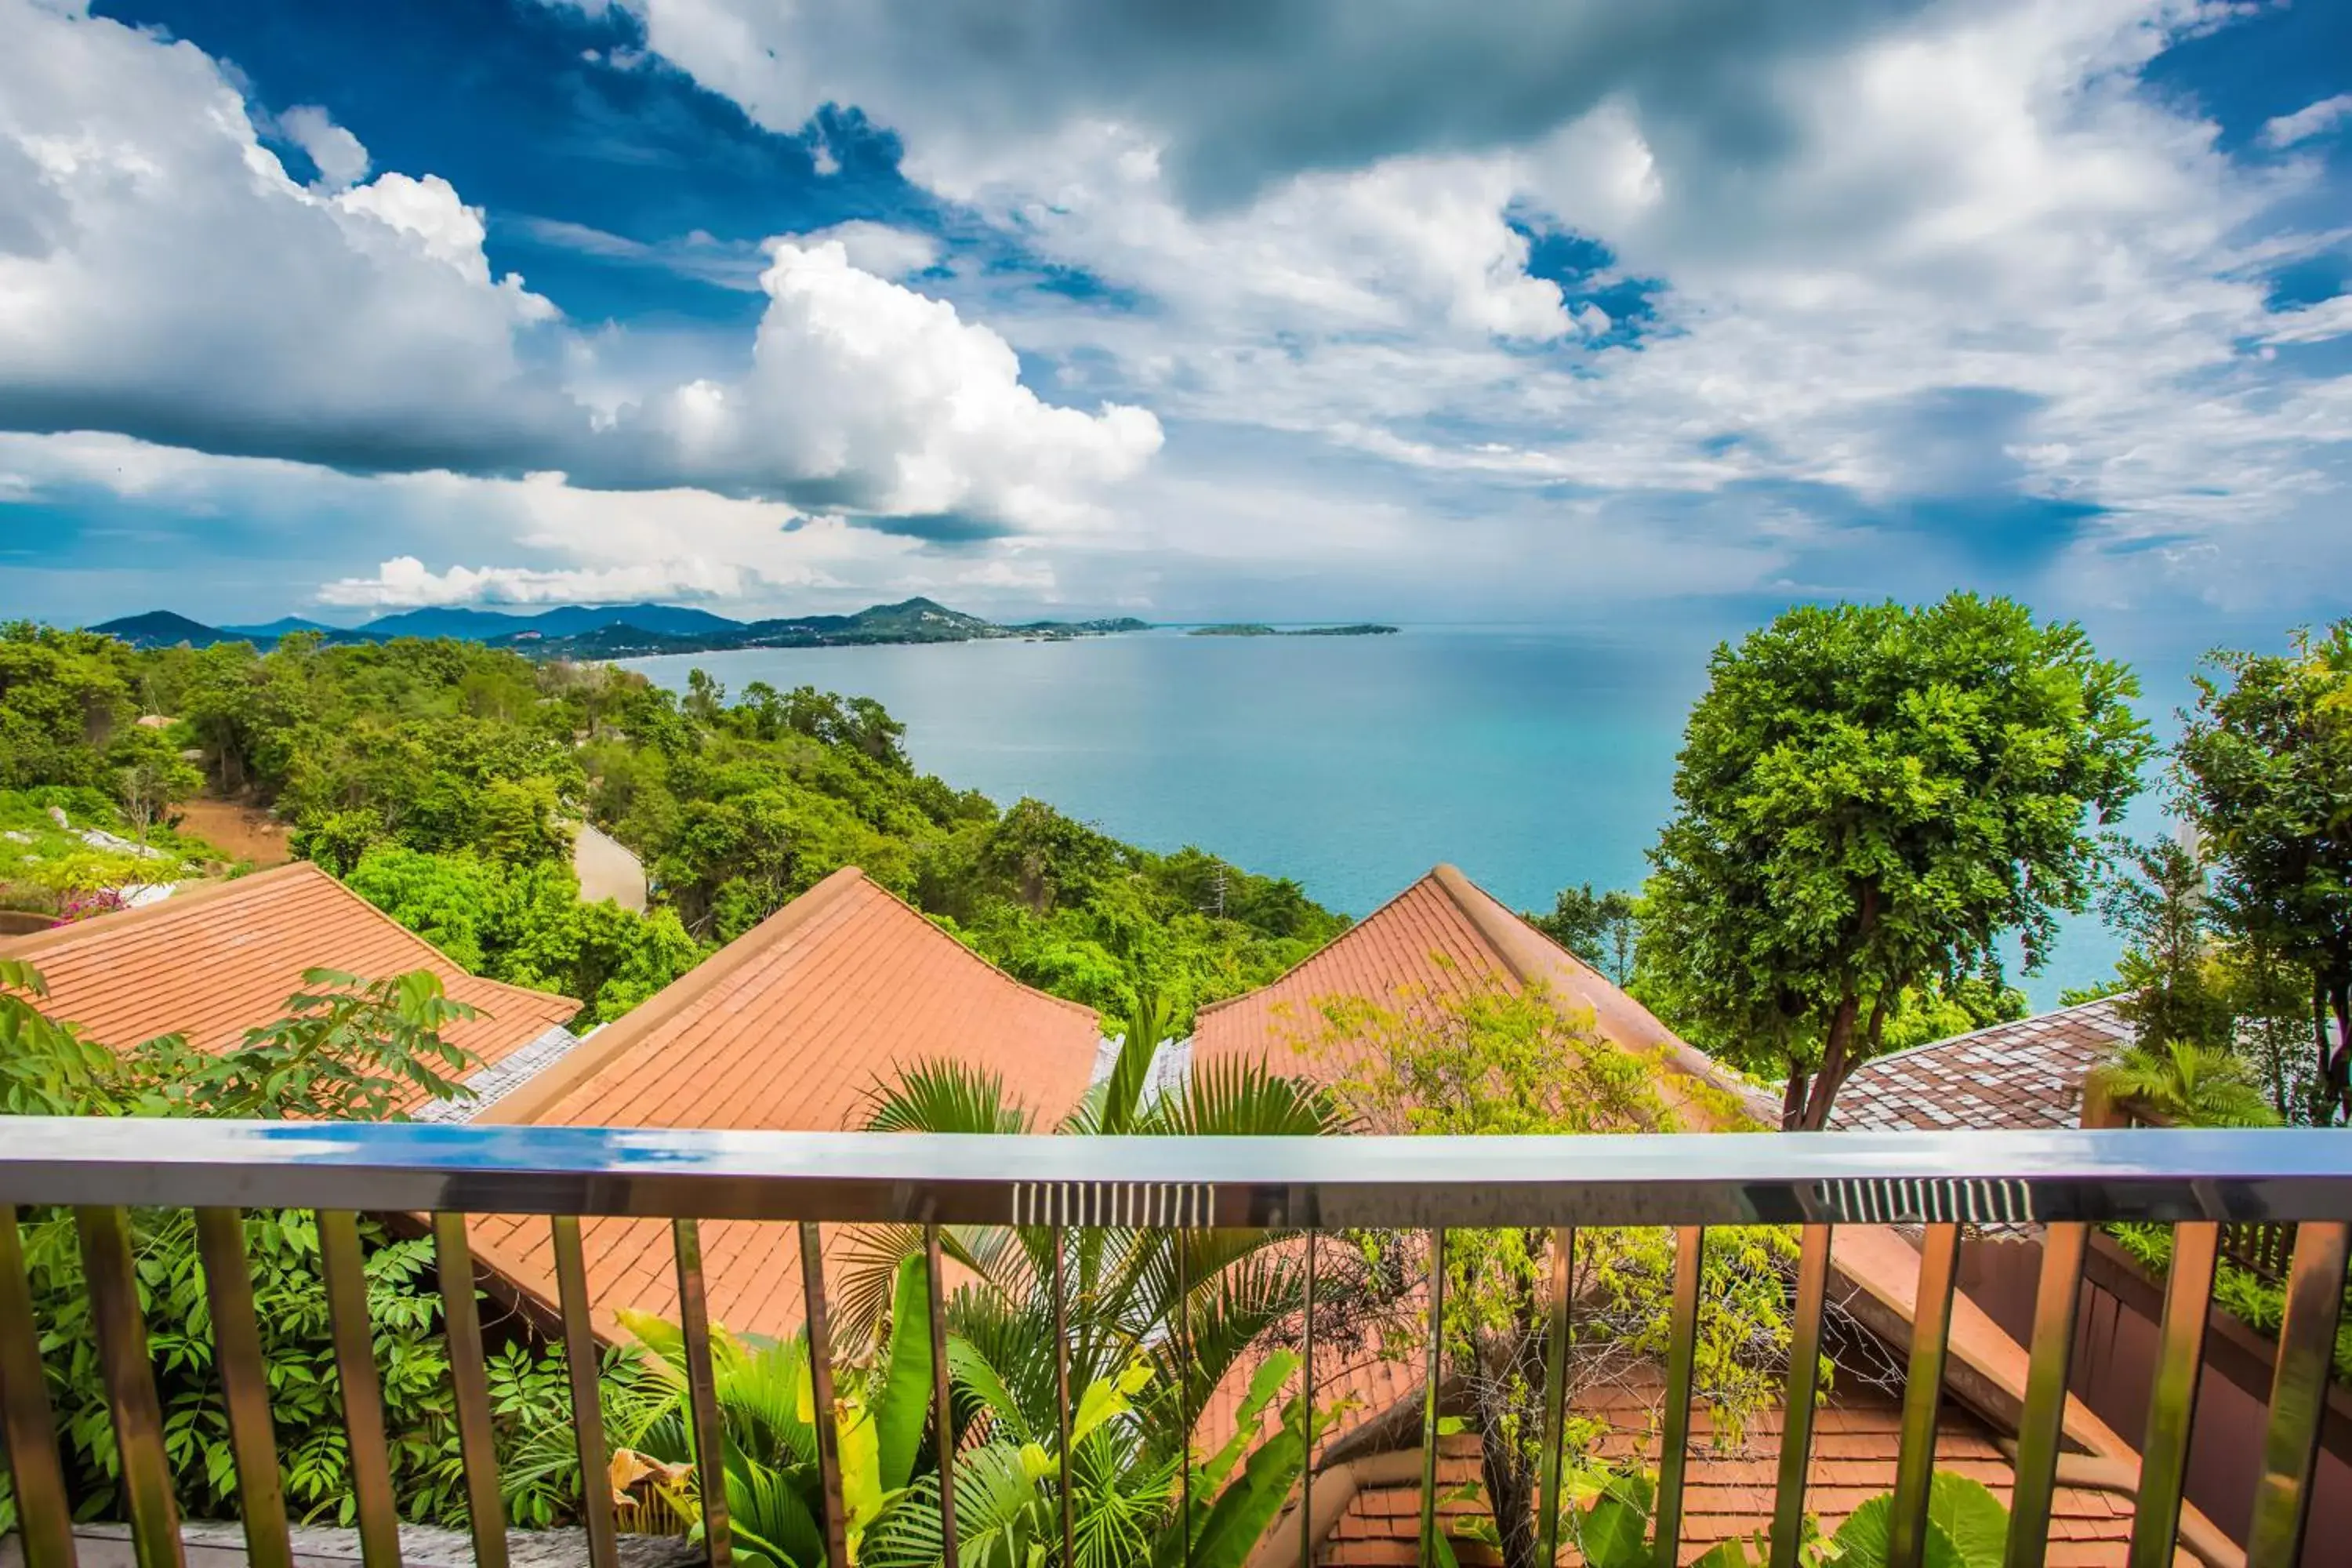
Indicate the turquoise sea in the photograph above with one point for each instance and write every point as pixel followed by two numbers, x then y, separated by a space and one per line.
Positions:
pixel 1532 758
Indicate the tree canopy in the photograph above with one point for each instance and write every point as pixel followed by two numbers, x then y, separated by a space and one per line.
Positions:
pixel 1870 797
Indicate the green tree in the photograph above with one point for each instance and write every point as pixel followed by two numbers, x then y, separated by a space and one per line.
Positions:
pixel 1868 796
pixel 64 697
pixel 150 776
pixel 2173 991
pixel 2263 768
pixel 1602 928
pixel 2188 1084
pixel 1487 1060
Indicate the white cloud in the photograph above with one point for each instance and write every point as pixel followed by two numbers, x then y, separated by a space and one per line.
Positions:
pixel 877 247
pixel 894 404
pixel 340 160
pixel 163 276
pixel 2312 119
pixel 403 580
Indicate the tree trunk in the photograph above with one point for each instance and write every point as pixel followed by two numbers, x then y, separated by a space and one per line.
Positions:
pixel 1511 1482
pixel 1834 1065
pixel 2339 1060
pixel 1792 1098
pixel 2321 1104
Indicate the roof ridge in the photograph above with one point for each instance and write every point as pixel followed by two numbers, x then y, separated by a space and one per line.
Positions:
pixel 544 1089
pixel 981 959
pixel 1908 1051
pixel 157 913
pixel 1332 946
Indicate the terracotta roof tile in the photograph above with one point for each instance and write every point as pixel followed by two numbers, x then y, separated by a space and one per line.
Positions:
pixel 789 1029
pixel 1435 939
pixel 218 960
pixel 2026 1074
pixel 1730 1492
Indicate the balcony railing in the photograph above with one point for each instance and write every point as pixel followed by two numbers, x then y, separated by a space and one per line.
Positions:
pixel 2066 1182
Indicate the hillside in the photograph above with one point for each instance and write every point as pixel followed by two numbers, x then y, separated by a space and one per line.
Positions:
pixel 162 628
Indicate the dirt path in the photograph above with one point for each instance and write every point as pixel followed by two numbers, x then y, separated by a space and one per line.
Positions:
pixel 607 871
pixel 239 832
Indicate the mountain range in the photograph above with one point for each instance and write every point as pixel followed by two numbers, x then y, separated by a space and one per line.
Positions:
pixel 620 631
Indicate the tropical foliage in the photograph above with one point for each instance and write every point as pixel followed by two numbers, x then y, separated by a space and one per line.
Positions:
pixel 346 1048
pixel 1479 1057
pixel 2263 771
pixel 1870 796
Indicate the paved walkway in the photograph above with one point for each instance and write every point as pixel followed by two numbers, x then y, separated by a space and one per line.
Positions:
pixel 608 869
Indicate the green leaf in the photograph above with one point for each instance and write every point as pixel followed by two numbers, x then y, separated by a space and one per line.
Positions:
pixel 1974 1518
pixel 903 1408
pixel 1862 1541
pixel 1243 1509
pixel 1613 1534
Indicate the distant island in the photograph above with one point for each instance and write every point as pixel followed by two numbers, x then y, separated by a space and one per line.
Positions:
pixel 625 631
pixel 1258 630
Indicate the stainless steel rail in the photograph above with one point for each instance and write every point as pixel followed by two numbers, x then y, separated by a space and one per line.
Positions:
pixel 2063 1180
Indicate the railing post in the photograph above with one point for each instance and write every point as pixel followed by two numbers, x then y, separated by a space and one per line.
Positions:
pixel 2172 1401
pixel 1923 1394
pixel 1554 1416
pixel 245 1386
pixel 582 1368
pixel 1059 1240
pixel 702 1395
pixel 1682 1362
pixel 2041 1428
pixel 828 1432
pixel 1307 1415
pixel 1804 1386
pixel 1429 1387
pixel 469 1386
pixel 43 1516
pixel 360 1387
pixel 942 1400
pixel 2306 1355
pixel 130 1384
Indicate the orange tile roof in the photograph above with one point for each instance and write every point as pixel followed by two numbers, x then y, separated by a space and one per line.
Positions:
pixel 789 1029
pixel 217 959
pixel 2025 1074
pixel 1728 1493
pixel 1437 939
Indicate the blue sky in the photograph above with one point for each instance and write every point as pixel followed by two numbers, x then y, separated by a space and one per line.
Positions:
pixel 1556 311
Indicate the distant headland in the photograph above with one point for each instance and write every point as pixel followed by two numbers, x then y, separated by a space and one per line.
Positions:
pixel 1259 629
pixel 639 631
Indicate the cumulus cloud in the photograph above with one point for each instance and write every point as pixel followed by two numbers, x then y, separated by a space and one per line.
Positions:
pixel 163 276
pixel 867 396
pixel 2313 119
pixel 403 580
pixel 335 152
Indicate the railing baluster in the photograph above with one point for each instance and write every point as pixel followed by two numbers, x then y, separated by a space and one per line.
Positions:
pixel 362 1390
pixel 1429 1398
pixel 828 1435
pixel 2041 1428
pixel 702 1393
pixel 2306 1351
pixel 130 1384
pixel 942 1399
pixel 469 1385
pixel 1682 1364
pixel 1554 1417
pixel 583 1368
pixel 2172 1401
pixel 1804 1386
pixel 1306 1413
pixel 44 1518
pixel 245 1387
pixel 1062 1386
pixel 1923 1394
pixel 1184 1374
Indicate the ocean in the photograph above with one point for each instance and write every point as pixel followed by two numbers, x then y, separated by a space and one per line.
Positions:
pixel 1533 758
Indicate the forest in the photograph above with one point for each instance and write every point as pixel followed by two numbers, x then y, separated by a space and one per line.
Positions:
pixel 441 780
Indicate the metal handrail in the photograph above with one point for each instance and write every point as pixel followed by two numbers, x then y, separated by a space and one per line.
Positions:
pixel 2064 1181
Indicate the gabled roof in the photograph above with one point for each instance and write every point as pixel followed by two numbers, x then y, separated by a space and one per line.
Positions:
pixel 218 960
pixel 789 1029
pixel 2026 1074
pixel 1439 938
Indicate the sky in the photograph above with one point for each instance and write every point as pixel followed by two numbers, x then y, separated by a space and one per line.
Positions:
pixel 1539 311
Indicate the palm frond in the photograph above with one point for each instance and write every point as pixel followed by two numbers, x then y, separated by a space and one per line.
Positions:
pixel 944 1096
pixel 1246 1099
